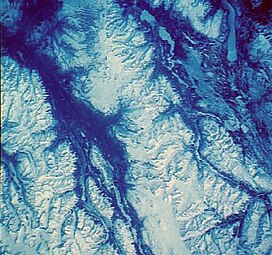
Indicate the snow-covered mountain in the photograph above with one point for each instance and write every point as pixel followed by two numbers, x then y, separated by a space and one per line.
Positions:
pixel 136 127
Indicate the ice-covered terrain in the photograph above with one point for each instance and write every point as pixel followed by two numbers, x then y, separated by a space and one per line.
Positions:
pixel 136 127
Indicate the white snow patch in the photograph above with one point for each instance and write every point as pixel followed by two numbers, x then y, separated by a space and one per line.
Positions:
pixel 161 227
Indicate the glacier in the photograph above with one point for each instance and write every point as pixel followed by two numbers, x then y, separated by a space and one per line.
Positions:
pixel 136 127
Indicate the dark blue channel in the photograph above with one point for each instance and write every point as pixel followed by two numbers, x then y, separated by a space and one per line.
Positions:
pixel 251 142
pixel 73 116
pixel 257 141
